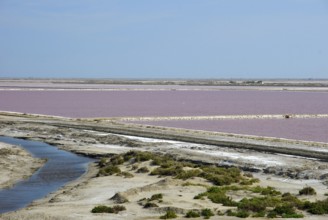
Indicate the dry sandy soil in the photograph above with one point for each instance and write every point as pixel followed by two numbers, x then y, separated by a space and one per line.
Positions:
pixel 76 200
pixel 16 164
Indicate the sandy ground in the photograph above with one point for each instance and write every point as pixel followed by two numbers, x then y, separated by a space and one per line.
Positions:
pixel 75 201
pixel 16 164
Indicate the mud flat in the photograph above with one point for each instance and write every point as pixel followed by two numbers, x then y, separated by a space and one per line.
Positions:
pixel 16 164
pixel 286 172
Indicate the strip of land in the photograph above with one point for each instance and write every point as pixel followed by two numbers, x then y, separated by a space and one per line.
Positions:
pixel 16 164
pixel 223 117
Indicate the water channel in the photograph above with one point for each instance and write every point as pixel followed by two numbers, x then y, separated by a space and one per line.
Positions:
pixel 61 168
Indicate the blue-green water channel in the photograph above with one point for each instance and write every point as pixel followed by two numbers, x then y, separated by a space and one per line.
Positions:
pixel 61 168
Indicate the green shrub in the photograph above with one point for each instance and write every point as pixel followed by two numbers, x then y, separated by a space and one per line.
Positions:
pixel 284 209
pixel 265 191
pixel 139 156
pixel 217 195
pixel 231 213
pixel 307 191
pixel 207 213
pixel 109 170
pixel 270 191
pixel 217 179
pixel 200 195
pixel 294 215
pixel 319 207
pixel 222 199
pixel 126 174
pixel 169 214
pixel 192 214
pixel 253 204
pixel 101 209
pixel 161 160
pixel 242 214
pixel 105 209
pixel 118 208
pixel 306 205
pixel 292 200
pixel 102 162
pixel 150 205
pixel 143 170
pixel 129 155
pixel 272 214
pixel 256 189
pixel 249 175
pixel 249 181
pixel 215 189
pixel 169 163
pixel 144 156
pixel 188 174
pixel 116 160
pixel 221 176
pixel 156 197
pixel 259 214
pixel 171 171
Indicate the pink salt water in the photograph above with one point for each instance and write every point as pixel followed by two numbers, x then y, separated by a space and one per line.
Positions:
pixel 84 103
pixel 162 103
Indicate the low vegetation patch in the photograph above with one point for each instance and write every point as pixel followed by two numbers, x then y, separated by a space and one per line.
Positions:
pixel 169 167
pixel 126 174
pixel 109 170
pixel 307 191
pixel 207 213
pixel 270 203
pixel 158 196
pixel 143 170
pixel 169 214
pixel 150 205
pixel 150 202
pixel 318 207
pixel 192 214
pixel 260 202
pixel 106 209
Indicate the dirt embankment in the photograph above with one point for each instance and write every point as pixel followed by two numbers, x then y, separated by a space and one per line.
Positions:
pixel 16 164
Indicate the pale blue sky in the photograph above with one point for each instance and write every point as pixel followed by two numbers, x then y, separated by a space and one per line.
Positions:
pixel 164 38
